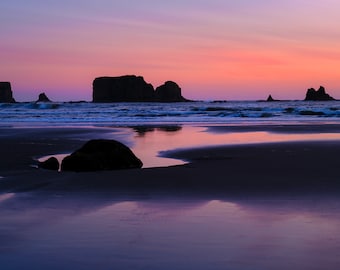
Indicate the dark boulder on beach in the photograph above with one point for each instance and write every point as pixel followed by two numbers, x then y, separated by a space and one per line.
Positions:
pixel 319 95
pixel 6 95
pixel 131 88
pixel 43 98
pixel 100 155
pixel 169 92
pixel 50 164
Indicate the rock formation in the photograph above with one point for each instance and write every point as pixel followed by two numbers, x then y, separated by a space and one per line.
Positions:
pixel 50 164
pixel 43 98
pixel 99 155
pixel 319 95
pixel 131 88
pixel 169 92
pixel 270 98
pixel 6 95
pixel 128 88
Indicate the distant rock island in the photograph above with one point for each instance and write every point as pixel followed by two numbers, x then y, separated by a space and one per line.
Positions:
pixel 319 95
pixel 270 98
pixel 6 95
pixel 131 88
pixel 43 98
pixel 169 92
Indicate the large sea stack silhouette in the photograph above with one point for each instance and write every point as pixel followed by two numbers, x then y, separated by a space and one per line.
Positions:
pixel 319 95
pixel 6 95
pixel 131 88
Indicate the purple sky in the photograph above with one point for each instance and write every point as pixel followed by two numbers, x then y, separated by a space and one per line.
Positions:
pixel 213 49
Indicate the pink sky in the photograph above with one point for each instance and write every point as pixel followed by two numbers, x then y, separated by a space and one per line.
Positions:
pixel 213 49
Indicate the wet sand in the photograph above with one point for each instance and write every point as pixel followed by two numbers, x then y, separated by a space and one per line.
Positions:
pixel 256 206
pixel 296 166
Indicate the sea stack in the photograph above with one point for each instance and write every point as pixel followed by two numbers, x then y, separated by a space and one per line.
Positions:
pixel 43 98
pixel 6 95
pixel 270 98
pixel 169 92
pixel 132 88
pixel 129 88
pixel 319 95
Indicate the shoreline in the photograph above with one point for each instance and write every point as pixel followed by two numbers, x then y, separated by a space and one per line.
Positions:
pixel 265 199
pixel 306 166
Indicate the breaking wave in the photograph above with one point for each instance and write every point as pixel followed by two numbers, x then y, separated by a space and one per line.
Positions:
pixel 187 112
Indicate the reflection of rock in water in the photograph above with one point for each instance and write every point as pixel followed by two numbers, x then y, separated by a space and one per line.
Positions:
pixel 23 213
pixel 142 130
pixel 170 128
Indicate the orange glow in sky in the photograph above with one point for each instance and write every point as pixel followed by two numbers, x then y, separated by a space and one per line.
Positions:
pixel 212 49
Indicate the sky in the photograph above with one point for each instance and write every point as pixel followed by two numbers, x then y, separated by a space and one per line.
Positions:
pixel 216 49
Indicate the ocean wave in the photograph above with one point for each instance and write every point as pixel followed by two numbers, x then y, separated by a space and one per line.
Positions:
pixel 195 112
pixel 43 106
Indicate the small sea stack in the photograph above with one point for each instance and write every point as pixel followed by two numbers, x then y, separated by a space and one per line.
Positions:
pixel 43 98
pixel 319 95
pixel 270 98
pixel 6 95
pixel 169 92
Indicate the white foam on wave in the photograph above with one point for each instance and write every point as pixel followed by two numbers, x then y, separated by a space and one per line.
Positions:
pixel 187 112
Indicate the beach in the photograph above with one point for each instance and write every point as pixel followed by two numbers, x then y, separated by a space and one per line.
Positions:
pixel 276 165
pixel 166 135
pixel 289 181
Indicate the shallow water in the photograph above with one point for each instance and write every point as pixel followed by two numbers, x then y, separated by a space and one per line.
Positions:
pixel 143 232
pixel 162 231
pixel 151 143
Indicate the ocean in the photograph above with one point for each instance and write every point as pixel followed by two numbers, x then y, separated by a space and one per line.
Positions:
pixel 148 229
pixel 125 114
pixel 171 229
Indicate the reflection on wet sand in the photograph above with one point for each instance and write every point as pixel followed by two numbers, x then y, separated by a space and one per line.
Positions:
pixel 270 206
pixel 143 129
pixel 140 230
pixel 152 143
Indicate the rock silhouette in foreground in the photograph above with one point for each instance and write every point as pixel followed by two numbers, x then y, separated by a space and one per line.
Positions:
pixel 43 98
pixel 100 155
pixel 6 95
pixel 131 88
pixel 50 164
pixel 319 95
